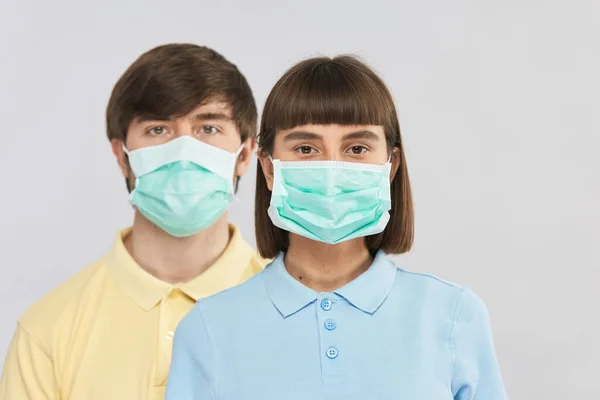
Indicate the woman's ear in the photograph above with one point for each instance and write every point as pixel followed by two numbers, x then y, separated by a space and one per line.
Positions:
pixel 395 161
pixel 267 168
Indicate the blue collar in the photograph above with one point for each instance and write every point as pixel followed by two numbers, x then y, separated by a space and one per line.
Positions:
pixel 367 292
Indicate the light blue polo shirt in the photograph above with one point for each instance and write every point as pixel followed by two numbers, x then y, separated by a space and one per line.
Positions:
pixel 389 334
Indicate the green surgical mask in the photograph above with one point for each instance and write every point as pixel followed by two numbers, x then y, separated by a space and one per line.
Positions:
pixel 182 186
pixel 330 201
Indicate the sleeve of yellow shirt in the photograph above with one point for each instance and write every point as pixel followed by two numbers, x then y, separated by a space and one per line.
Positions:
pixel 28 372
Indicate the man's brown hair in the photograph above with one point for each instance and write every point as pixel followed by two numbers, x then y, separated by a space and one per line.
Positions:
pixel 171 80
pixel 341 90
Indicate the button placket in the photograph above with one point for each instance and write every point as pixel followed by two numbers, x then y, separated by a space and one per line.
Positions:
pixel 329 310
pixel 166 333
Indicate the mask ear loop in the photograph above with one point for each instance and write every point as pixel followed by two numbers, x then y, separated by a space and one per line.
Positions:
pixel 390 157
pixel 234 197
pixel 396 146
pixel 239 150
pixel 129 189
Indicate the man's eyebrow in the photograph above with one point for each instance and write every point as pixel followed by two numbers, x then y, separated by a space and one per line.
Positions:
pixel 214 116
pixel 210 116
pixel 365 134
pixel 301 135
pixel 146 118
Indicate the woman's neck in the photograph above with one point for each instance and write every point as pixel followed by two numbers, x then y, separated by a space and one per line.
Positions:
pixel 325 267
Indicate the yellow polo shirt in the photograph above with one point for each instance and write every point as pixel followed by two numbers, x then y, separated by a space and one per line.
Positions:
pixel 106 333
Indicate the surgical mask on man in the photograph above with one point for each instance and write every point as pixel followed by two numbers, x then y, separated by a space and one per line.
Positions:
pixel 182 186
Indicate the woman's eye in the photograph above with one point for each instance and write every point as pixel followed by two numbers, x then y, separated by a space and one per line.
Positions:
pixel 357 150
pixel 304 149
pixel 209 129
pixel 157 130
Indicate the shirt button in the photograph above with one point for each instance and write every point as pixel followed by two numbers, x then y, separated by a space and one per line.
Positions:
pixel 169 335
pixel 330 324
pixel 326 304
pixel 332 352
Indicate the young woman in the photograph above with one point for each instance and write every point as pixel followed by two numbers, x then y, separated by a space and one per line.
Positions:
pixel 331 317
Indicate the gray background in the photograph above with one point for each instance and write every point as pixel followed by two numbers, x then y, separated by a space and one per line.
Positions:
pixel 498 103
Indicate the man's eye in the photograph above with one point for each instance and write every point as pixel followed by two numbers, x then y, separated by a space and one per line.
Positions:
pixel 157 130
pixel 209 129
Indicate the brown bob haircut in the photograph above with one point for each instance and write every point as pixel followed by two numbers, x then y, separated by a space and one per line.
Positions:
pixel 171 80
pixel 341 90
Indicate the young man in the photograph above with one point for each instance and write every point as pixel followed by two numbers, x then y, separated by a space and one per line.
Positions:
pixel 182 124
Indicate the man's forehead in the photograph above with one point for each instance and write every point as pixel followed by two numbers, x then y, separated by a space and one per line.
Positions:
pixel 212 107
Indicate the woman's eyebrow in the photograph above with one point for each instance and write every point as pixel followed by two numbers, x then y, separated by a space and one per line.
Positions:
pixel 364 134
pixel 301 135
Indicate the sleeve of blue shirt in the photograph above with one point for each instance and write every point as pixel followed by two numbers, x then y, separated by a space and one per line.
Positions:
pixel 189 377
pixel 476 374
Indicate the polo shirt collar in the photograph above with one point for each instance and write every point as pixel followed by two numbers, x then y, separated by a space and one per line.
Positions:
pixel 147 290
pixel 287 294
pixel 367 292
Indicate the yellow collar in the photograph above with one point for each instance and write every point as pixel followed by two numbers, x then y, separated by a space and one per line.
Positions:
pixel 147 290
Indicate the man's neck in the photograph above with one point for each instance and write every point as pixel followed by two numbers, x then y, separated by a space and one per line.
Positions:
pixel 172 259
pixel 325 267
